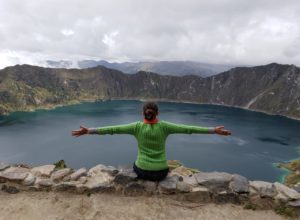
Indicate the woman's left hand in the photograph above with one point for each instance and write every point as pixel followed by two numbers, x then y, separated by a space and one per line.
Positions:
pixel 82 131
pixel 220 130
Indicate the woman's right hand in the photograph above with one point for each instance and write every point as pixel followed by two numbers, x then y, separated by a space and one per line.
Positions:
pixel 83 130
pixel 220 130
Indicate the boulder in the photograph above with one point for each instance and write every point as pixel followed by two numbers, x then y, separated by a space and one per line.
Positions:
pixel 295 203
pixel 99 187
pixel 149 186
pixel 239 184
pixel 124 177
pixel 102 168
pixel 78 173
pixel 45 182
pixel 96 181
pixel 198 194
pixel 183 187
pixel 134 189
pixel 264 189
pixel 168 185
pixel 82 180
pixel 215 181
pixel 264 203
pixel 191 180
pixel 14 173
pixel 291 194
pixel 65 186
pixel 60 174
pixel 10 189
pixel 43 171
pixel 226 197
pixel 29 180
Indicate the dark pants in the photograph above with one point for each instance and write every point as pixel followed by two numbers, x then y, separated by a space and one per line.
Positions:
pixel 150 175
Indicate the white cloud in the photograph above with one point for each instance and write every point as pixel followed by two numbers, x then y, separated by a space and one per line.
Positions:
pixel 67 32
pixel 109 39
pixel 216 31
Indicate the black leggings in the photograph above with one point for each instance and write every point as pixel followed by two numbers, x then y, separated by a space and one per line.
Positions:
pixel 150 175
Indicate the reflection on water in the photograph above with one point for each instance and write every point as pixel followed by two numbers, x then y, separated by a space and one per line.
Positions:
pixel 258 140
pixel 274 140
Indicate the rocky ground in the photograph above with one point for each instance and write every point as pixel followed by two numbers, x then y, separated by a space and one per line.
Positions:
pixel 54 189
pixel 54 205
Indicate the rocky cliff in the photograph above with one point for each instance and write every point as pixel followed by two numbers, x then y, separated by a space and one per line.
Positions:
pixel 272 88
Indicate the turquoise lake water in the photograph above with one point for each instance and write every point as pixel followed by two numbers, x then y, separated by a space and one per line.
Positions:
pixel 258 140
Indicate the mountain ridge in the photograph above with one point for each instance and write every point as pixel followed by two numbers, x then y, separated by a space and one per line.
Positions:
pixel 272 88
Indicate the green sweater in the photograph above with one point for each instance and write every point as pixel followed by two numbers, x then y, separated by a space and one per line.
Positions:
pixel 151 139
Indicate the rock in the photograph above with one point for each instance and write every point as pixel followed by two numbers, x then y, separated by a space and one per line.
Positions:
pixel 264 189
pixel 134 189
pixel 172 164
pixel 183 187
pixel 99 177
pixel 181 171
pixel 149 186
pixel 168 185
pixel 198 194
pixel 10 189
pixel 125 177
pixel 82 180
pixel 29 180
pixel 288 192
pixel 43 171
pixel 60 174
pixel 102 168
pixel 97 181
pixel 226 197
pixel 64 186
pixel 14 173
pixel 4 166
pixel 215 181
pixel 45 182
pixel 281 198
pixel 100 187
pixel 78 173
pixel 239 184
pixel 264 203
pixel 191 180
pixel 295 204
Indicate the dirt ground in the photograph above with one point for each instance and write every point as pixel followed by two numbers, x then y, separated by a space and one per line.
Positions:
pixel 51 205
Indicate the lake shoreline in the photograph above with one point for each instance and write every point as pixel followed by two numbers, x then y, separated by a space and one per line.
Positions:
pixel 78 102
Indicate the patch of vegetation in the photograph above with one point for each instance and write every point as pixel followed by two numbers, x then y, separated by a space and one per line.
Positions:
pixel 60 165
pixel 193 170
pixel 172 164
pixel 286 211
pixel 294 167
pixel 250 206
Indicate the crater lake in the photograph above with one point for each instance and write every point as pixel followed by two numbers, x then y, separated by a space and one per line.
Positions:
pixel 257 142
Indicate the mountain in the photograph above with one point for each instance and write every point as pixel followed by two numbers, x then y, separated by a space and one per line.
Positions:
pixel 272 88
pixel 176 68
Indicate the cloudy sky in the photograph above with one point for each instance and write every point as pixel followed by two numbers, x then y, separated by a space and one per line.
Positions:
pixel 213 31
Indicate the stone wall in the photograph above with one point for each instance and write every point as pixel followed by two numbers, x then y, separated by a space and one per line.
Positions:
pixel 180 184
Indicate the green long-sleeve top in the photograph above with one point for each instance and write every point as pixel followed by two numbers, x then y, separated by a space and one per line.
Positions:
pixel 151 139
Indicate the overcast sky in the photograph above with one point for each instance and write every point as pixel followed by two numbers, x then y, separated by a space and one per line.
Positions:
pixel 248 32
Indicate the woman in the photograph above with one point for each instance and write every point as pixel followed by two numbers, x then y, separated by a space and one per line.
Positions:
pixel 151 134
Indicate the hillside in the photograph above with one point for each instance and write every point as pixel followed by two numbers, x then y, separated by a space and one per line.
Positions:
pixel 272 88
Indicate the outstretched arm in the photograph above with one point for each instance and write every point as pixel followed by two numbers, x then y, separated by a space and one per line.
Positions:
pixel 172 128
pixel 116 129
